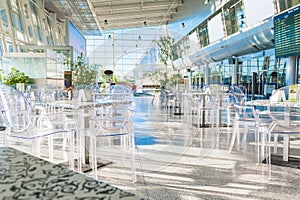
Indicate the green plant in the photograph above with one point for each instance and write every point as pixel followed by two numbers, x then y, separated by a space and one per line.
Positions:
pixel 82 74
pixel 16 76
pixel 166 49
pixel 160 76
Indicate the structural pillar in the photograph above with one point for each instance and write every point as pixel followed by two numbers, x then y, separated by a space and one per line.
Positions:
pixel 235 71
pixel 207 74
pixel 291 71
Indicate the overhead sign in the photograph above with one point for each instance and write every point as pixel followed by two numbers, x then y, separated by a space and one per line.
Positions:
pixel 287 33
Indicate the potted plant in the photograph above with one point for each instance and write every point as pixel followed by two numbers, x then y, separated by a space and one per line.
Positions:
pixel 17 79
pixel 82 74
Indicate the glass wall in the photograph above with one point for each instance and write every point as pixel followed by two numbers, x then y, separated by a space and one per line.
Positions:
pixel 203 35
pixel 234 17
pixel 260 75
pixel 286 4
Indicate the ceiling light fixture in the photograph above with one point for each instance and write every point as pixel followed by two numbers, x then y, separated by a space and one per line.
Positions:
pixel 207 2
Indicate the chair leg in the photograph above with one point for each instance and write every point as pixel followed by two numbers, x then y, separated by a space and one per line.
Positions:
pixel 93 145
pixel 257 141
pixel 234 135
pixel 269 162
pixel 50 147
pixel 70 140
pixel 246 129
pixel 64 146
pixel 132 156
pixel 275 142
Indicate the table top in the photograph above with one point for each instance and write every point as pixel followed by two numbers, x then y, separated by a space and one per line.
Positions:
pixel 272 103
pixel 69 104
pixel 23 176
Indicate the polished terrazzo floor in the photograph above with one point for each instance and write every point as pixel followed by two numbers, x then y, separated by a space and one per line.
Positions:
pixel 176 160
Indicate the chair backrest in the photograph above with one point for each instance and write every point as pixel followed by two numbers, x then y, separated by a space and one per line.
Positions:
pixel 117 110
pixel 284 106
pixel 17 108
pixel 238 98
pixel 238 95
pixel 208 95
pixel 83 93
pixel 121 92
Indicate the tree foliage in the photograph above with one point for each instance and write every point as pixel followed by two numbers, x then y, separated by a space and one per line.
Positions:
pixel 166 49
pixel 16 76
pixel 82 74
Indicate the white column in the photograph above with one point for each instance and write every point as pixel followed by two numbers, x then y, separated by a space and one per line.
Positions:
pixel 291 70
pixel 235 71
pixel 206 76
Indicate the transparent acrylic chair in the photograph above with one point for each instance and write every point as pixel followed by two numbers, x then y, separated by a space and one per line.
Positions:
pixel 284 109
pixel 245 116
pixel 112 126
pixel 23 125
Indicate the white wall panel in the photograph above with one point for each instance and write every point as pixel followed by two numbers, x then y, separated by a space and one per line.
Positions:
pixel 258 10
pixel 215 28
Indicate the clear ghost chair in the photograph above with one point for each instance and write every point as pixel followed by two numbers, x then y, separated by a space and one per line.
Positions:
pixel 112 125
pixel 284 109
pixel 25 126
pixel 245 116
pixel 220 98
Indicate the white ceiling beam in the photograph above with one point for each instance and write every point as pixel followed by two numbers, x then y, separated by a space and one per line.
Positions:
pixel 134 24
pixel 127 2
pixel 126 11
pixel 142 7
pixel 138 21
pixel 134 15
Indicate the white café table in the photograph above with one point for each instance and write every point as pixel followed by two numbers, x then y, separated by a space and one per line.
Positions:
pixel 82 110
pixel 287 110
pixel 220 101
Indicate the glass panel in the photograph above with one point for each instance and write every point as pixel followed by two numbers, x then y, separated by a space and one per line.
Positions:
pixel 16 21
pixel 203 35
pixel 34 13
pixel 1 47
pixel 38 33
pixel 227 22
pixel 293 3
pixel 234 17
pixel 30 31
pixel 240 16
pixel 9 44
pixel 3 15
pixel 14 5
pixel 298 71
pixel 286 4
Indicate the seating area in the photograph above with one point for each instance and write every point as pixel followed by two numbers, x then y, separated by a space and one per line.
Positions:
pixel 136 144
pixel 150 99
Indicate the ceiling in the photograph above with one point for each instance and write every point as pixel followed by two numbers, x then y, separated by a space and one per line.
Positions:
pixel 94 16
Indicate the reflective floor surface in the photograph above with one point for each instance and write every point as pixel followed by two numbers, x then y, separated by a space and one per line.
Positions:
pixel 176 160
